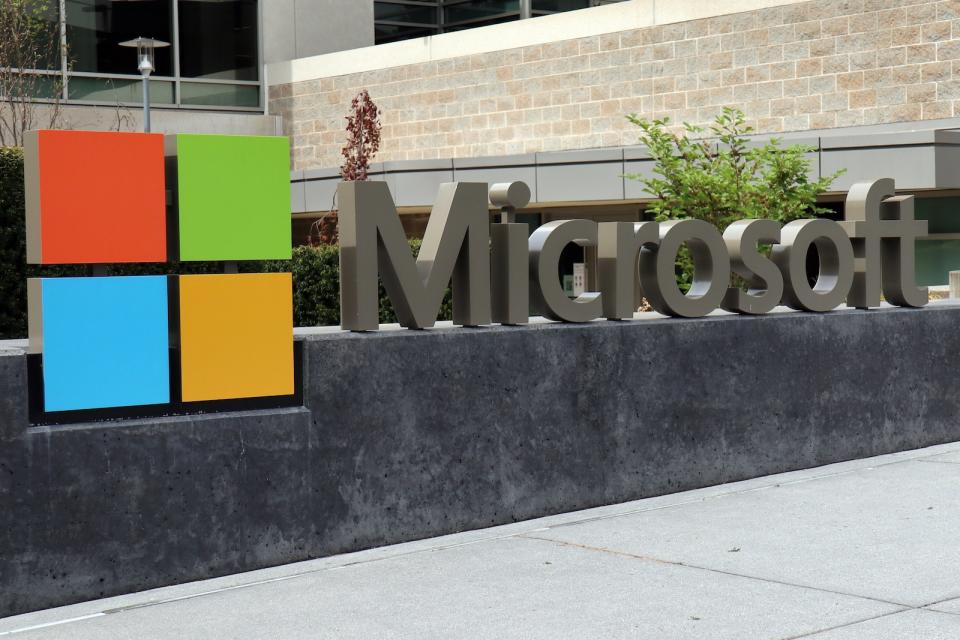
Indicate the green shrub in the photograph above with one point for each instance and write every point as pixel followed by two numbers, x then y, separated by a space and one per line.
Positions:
pixel 693 179
pixel 316 284
pixel 732 181
pixel 13 272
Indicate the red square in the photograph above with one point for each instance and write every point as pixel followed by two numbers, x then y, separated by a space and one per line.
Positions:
pixel 95 197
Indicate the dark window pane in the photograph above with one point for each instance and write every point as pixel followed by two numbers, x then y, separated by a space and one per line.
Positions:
pixel 418 14
pixel 392 33
pixel 482 23
pixel 218 39
pixel 560 5
pixel 42 86
pixel 935 260
pixel 37 22
pixel 221 95
pixel 479 9
pixel 96 27
pixel 942 214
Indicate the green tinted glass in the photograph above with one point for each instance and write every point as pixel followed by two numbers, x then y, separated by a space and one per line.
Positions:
pixel 221 95
pixel 114 91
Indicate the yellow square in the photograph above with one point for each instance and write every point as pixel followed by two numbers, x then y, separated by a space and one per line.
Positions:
pixel 236 336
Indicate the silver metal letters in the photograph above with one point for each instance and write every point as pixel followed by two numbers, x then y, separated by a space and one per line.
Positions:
pixel 549 299
pixel 618 259
pixel 497 273
pixel 711 269
pixel 764 281
pixel 510 287
pixel 455 250
pixel 836 264
pixel 898 253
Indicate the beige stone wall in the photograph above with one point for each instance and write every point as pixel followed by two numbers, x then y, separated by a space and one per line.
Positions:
pixel 809 65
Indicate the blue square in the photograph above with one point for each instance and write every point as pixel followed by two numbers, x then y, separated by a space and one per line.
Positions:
pixel 105 342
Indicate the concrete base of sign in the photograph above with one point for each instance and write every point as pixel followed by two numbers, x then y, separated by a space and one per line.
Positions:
pixel 412 434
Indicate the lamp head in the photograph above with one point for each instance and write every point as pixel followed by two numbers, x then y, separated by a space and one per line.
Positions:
pixel 145 53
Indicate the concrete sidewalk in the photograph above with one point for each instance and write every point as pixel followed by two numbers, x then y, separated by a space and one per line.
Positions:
pixel 866 549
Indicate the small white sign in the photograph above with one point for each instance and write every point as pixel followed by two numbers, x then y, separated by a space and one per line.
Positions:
pixel 579 278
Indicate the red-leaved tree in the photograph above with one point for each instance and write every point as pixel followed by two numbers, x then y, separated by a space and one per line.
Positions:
pixel 363 142
pixel 363 137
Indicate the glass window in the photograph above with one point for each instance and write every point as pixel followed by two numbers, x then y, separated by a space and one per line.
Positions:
pixel 41 29
pixel 224 95
pixel 942 214
pixel 115 90
pixel 43 86
pixel 479 9
pixel 95 29
pixel 935 260
pixel 460 26
pixel 560 5
pixel 391 33
pixel 417 14
pixel 940 254
pixel 218 39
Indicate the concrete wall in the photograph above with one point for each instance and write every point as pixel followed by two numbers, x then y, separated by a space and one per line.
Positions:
pixel 806 65
pixel 300 28
pixel 410 434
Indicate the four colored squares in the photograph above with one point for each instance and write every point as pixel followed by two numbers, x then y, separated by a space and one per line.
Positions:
pixel 107 198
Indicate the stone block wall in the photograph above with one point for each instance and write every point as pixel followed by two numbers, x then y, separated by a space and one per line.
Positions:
pixel 808 65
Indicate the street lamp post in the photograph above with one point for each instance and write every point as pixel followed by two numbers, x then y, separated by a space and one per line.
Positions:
pixel 526 9
pixel 145 57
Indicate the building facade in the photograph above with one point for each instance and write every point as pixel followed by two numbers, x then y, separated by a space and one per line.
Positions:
pixel 873 86
pixel 474 90
pixel 217 50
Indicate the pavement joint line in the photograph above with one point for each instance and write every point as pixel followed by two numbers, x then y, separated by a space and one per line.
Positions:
pixel 939 461
pixel 675 563
pixel 928 606
pixel 941 601
pixel 846 624
pixel 55 623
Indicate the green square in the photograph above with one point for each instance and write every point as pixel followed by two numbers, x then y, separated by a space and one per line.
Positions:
pixel 233 195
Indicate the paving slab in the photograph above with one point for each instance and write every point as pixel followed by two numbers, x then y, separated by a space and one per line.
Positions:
pixel 855 533
pixel 494 589
pixel 912 625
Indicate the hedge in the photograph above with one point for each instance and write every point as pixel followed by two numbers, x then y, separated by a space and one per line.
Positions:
pixel 316 286
pixel 316 273
pixel 13 274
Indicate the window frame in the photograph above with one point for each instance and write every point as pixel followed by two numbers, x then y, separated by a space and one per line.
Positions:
pixel 65 73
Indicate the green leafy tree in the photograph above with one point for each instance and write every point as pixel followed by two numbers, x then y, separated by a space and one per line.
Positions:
pixel 718 175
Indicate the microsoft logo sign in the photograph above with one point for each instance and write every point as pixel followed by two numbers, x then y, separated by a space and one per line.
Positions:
pixel 97 198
